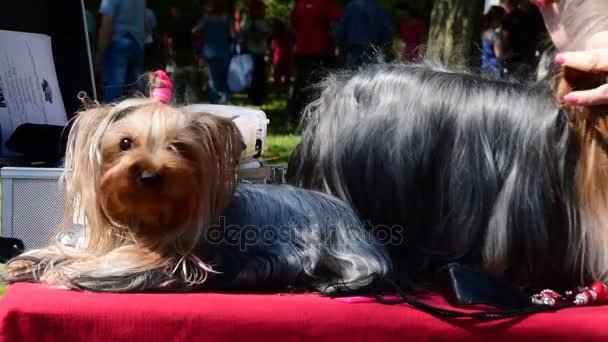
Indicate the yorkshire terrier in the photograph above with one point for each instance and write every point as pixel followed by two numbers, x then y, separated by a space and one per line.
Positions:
pixel 489 173
pixel 156 190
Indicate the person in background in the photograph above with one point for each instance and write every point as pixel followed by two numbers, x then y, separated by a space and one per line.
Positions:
pixel 413 30
pixel 151 49
pixel 238 19
pixel 281 56
pixel 365 30
pixel 120 50
pixel 217 26
pixel 540 39
pixel 492 20
pixel 519 40
pixel 91 30
pixel 179 37
pixel 256 33
pixel 312 22
pixel 188 80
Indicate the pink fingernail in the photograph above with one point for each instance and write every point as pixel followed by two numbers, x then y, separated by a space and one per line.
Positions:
pixel 571 99
pixel 560 59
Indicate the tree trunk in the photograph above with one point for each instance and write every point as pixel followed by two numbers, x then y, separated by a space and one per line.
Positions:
pixel 455 32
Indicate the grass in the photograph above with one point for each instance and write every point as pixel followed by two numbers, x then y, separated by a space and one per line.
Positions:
pixel 2 287
pixel 281 138
pixel 280 147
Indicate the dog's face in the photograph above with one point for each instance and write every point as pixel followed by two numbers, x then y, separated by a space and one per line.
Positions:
pixel 160 169
pixel 152 167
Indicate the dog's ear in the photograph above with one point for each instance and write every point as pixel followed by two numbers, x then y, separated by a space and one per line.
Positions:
pixel 221 133
pixel 80 156
pixel 221 147
pixel 84 130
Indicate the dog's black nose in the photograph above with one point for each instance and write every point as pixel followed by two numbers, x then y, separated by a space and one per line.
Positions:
pixel 149 178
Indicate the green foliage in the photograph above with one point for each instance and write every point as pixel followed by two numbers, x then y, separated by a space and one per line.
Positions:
pixel 275 9
pixel 279 9
pixel 2 287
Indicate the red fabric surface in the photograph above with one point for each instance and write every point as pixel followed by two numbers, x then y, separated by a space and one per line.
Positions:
pixel 35 313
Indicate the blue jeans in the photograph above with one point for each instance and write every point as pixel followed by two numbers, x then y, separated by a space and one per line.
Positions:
pixel 218 80
pixel 123 64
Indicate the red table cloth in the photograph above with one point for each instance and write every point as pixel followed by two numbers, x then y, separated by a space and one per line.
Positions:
pixel 34 313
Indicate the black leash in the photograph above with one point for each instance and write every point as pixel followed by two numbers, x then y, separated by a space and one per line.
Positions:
pixel 448 313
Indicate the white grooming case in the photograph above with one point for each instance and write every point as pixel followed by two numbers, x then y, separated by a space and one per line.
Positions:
pixel 252 123
pixel 32 204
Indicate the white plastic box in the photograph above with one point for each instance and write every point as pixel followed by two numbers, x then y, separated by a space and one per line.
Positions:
pixel 252 123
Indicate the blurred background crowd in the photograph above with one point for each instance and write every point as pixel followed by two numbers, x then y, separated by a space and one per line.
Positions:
pixel 290 44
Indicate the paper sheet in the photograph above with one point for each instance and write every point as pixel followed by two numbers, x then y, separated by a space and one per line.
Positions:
pixel 29 89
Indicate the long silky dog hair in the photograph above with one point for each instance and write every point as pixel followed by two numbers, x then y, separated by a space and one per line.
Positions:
pixel 155 189
pixel 485 172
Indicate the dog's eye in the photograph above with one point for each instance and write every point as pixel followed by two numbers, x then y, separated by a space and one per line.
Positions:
pixel 178 147
pixel 126 144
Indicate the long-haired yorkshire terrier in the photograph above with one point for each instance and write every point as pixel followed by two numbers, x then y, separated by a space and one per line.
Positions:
pixel 484 172
pixel 155 188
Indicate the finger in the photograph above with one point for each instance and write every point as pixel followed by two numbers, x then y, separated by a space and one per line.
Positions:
pixel 588 61
pixel 594 97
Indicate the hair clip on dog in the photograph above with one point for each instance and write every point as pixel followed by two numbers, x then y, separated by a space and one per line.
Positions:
pixel 161 86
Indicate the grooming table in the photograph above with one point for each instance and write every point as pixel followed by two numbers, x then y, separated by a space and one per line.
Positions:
pixel 34 313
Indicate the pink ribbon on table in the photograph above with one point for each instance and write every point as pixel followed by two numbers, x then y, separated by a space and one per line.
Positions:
pixel 362 299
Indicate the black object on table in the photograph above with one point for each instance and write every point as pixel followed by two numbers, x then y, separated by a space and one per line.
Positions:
pixel 10 248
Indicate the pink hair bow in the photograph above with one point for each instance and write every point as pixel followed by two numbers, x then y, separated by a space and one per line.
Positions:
pixel 162 87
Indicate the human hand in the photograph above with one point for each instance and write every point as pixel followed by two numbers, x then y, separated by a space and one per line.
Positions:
pixel 571 22
pixel 594 60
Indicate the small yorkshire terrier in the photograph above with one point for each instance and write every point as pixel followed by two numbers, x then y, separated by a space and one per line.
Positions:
pixel 157 190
